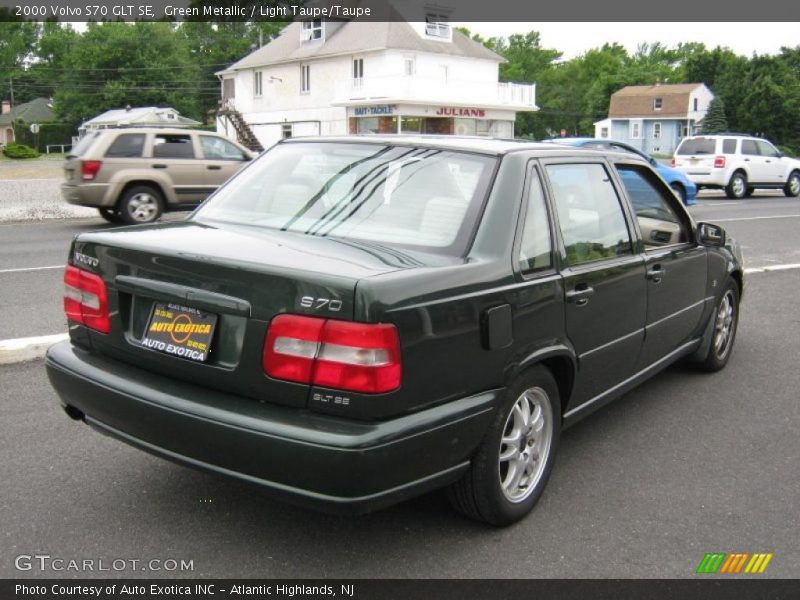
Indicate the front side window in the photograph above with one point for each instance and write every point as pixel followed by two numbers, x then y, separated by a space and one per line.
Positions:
pixel 404 196
pixel 535 253
pixel 767 149
pixel 590 215
pixel 215 148
pixel 127 145
pixel 173 146
pixel 653 204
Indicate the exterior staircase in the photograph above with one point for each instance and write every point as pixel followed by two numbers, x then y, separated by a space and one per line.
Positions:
pixel 244 134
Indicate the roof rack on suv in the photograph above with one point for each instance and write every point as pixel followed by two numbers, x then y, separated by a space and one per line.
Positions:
pixel 732 133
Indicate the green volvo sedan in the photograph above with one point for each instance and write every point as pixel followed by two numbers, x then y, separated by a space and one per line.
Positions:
pixel 353 321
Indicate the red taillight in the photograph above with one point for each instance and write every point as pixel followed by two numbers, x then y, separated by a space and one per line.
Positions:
pixel 89 169
pixel 85 299
pixel 719 162
pixel 672 162
pixel 356 357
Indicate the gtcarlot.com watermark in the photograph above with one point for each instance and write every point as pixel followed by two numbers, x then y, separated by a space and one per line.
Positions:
pixel 46 563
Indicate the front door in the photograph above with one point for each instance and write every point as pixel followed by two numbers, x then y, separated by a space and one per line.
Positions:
pixel 676 266
pixel 604 279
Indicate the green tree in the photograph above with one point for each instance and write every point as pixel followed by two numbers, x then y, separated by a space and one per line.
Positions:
pixel 715 120
pixel 116 64
pixel 17 40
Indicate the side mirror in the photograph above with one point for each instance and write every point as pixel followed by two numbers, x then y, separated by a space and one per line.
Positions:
pixel 710 235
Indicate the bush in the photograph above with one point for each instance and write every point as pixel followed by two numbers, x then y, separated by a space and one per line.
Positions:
pixel 14 150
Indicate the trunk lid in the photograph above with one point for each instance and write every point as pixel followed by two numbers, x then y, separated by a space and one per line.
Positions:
pixel 242 275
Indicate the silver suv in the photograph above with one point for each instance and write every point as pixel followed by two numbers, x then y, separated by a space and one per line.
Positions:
pixel 737 163
pixel 133 175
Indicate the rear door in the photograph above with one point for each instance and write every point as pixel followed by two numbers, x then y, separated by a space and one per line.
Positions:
pixel 221 159
pixel 676 266
pixel 175 154
pixel 604 279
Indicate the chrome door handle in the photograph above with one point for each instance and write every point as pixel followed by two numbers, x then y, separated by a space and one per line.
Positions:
pixel 656 273
pixel 580 295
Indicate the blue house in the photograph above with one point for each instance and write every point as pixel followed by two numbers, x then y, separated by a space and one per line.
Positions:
pixel 654 118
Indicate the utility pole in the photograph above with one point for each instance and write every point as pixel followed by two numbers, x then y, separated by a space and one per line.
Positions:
pixel 11 85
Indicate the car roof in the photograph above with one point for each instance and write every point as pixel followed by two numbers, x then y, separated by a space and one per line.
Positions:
pixel 167 130
pixel 477 144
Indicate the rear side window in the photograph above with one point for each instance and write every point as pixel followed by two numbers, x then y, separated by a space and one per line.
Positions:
pixel 697 146
pixel 535 249
pixel 728 146
pixel 173 146
pixel 749 147
pixel 589 213
pixel 127 145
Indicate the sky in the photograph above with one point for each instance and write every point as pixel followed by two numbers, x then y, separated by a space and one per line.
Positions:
pixel 573 39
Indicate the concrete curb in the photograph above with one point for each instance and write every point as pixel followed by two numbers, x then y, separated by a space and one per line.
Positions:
pixel 29 348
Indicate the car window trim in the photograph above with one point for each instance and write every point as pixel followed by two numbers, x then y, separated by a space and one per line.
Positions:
pixel 633 232
pixel 532 166
pixel 676 204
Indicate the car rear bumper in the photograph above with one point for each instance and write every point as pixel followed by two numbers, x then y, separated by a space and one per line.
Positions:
pixel 312 459
pixel 87 194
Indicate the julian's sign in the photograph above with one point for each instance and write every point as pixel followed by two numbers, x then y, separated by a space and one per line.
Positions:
pixel 449 111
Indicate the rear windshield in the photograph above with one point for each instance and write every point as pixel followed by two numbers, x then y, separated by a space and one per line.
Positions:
pixel 698 146
pixel 83 145
pixel 395 195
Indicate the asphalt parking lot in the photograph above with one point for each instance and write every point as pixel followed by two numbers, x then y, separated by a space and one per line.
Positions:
pixel 686 464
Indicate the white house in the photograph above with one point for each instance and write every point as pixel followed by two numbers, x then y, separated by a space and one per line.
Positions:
pixel 654 118
pixel 335 78
pixel 145 116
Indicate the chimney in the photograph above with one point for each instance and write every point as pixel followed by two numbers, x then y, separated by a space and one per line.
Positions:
pixel 6 107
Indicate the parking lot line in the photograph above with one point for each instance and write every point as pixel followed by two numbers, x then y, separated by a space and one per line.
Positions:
pixel 24 269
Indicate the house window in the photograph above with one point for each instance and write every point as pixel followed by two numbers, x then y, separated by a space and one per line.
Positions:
pixel 604 132
pixel 636 130
pixel 312 30
pixel 409 66
pixel 286 131
pixel 685 131
pixel 695 105
pixel 443 73
pixel 656 131
pixel 305 79
pixel 436 25
pixel 657 103
pixel 257 83
pixel 358 72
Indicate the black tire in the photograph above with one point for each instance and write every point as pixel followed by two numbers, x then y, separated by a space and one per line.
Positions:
pixel 718 355
pixel 141 204
pixel 737 186
pixel 110 215
pixel 480 494
pixel 792 187
pixel 749 191
pixel 680 192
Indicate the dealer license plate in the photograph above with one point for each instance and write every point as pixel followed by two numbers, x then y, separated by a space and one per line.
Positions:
pixel 180 331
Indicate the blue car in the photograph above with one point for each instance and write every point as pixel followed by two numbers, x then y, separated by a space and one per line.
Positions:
pixel 680 184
